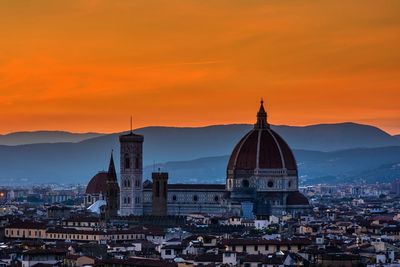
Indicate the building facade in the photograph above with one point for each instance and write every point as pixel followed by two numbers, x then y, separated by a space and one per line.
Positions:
pixel 262 180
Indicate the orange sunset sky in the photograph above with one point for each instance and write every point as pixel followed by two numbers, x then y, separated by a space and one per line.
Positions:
pixel 88 65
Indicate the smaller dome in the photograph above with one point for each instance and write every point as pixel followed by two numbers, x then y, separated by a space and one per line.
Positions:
pixel 296 198
pixel 97 184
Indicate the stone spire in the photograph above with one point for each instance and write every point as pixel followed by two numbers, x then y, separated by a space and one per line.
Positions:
pixel 112 174
pixel 261 117
pixel 112 192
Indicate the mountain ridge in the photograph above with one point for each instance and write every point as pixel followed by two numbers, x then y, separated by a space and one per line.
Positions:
pixel 344 165
pixel 77 162
pixel 43 136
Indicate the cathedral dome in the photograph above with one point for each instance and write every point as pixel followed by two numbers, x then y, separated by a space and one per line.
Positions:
pixel 98 184
pixel 262 148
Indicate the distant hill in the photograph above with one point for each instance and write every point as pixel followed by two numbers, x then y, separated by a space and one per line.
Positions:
pixel 384 173
pixel 23 138
pixel 78 162
pixel 330 137
pixel 164 144
pixel 397 136
pixel 366 164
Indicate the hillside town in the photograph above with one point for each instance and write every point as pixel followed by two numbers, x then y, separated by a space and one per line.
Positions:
pixel 347 226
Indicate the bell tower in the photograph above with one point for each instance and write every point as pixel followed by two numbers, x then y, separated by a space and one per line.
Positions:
pixel 131 166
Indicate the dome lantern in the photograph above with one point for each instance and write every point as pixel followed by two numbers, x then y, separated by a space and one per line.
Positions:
pixel 262 122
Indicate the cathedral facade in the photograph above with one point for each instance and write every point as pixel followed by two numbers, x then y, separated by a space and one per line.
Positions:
pixel 261 180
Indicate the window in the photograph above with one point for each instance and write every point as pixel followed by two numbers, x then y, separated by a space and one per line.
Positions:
pixel 255 248
pixel 216 198
pixel 127 162
pixel 174 197
pixel 195 198
pixel 168 252
pixel 137 163
pixel 244 248
pixel 289 184
pixel 245 183
pixel 270 184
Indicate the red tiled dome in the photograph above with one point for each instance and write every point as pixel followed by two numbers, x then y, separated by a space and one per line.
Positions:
pixel 296 198
pixel 262 148
pixel 97 184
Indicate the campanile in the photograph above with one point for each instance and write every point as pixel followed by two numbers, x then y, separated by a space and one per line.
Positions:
pixel 131 166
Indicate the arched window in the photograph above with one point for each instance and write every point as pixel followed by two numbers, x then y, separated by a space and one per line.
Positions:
pixel 88 199
pixel 216 198
pixel 195 198
pixel 137 200
pixel 127 164
pixel 174 197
